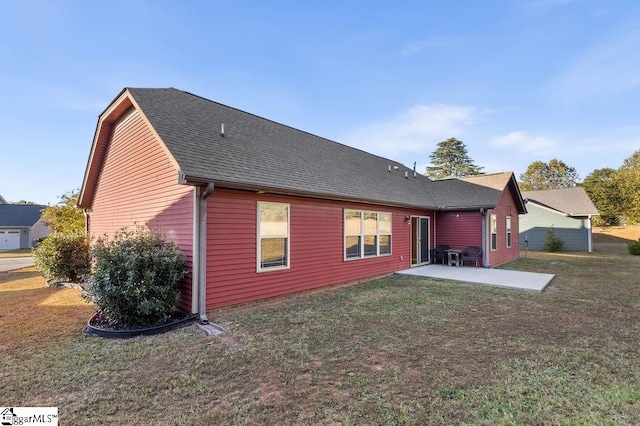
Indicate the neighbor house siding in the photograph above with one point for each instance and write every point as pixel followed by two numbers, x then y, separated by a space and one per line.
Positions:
pixel 316 247
pixel 573 231
pixel 138 185
pixel 505 207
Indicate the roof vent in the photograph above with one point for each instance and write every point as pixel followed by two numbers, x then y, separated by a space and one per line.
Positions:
pixel 406 175
pixel 389 168
pixel 222 130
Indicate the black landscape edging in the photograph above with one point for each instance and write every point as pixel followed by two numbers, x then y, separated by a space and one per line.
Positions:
pixel 109 333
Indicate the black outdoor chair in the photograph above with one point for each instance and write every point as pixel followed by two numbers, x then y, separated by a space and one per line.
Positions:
pixel 472 254
pixel 439 252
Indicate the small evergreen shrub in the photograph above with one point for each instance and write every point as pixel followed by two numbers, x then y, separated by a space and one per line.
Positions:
pixel 63 257
pixel 553 243
pixel 135 277
pixel 634 248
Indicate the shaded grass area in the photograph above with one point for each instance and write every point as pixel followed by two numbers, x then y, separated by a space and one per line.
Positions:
pixel 398 350
pixel 16 253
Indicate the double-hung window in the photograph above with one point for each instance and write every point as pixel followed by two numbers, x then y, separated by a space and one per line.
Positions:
pixel 494 232
pixel 366 234
pixel 508 231
pixel 273 236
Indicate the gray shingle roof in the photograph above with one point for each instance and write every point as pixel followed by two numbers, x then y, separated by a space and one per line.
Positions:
pixel 259 154
pixel 570 201
pixel 20 215
pixel 476 191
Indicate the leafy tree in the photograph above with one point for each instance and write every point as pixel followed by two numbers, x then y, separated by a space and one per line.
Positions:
pixel 451 159
pixel 628 183
pixel 65 217
pixel 601 185
pixel 551 175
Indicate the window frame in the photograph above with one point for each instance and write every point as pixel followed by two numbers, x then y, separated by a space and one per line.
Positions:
pixel 259 238
pixel 493 231
pixel 508 228
pixel 365 234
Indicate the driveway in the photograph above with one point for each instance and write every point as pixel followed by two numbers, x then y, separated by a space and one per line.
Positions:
pixel 11 263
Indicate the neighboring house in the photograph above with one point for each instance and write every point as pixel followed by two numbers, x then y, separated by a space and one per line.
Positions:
pixel 261 209
pixel 21 226
pixel 568 211
pixel 2 200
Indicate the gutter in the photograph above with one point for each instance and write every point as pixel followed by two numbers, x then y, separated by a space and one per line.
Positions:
pixel 201 253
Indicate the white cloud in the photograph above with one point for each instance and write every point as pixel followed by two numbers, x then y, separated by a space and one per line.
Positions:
pixel 610 68
pixel 524 143
pixel 417 129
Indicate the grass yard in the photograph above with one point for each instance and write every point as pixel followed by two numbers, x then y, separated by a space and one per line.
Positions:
pixel 16 253
pixel 398 350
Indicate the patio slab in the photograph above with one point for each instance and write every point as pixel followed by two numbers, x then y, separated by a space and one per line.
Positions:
pixel 529 281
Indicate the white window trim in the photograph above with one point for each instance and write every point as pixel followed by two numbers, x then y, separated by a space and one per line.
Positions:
pixel 362 234
pixel 492 231
pixel 509 234
pixel 259 268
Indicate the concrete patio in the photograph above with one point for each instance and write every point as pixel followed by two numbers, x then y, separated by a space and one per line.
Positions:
pixel 529 281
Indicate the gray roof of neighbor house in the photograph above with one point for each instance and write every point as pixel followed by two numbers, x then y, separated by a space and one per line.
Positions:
pixel 20 215
pixel 570 201
pixel 2 200
pixel 480 191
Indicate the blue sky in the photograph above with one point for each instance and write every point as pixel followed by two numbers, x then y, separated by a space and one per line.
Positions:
pixel 516 81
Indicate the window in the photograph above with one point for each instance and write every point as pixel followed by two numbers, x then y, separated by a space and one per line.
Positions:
pixel 273 236
pixel 494 232
pixel 508 231
pixel 366 234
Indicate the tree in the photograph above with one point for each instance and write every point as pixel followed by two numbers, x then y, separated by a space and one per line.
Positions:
pixel 451 159
pixel 551 175
pixel 65 217
pixel 627 183
pixel 601 186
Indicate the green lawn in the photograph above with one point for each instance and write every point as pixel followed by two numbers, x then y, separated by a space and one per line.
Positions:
pixel 398 350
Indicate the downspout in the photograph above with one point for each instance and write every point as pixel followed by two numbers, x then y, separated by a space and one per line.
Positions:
pixel 203 323
pixel 589 234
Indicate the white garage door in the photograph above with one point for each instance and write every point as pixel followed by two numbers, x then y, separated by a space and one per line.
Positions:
pixel 9 239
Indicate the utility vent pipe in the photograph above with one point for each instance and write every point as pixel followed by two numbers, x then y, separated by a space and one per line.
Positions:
pixel 222 130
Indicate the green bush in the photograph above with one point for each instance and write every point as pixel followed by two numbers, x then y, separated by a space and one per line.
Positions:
pixel 634 247
pixel 135 277
pixel 63 257
pixel 552 242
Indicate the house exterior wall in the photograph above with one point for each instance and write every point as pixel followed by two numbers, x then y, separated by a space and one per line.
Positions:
pixel 506 206
pixel 460 229
pixel 39 230
pixel 138 185
pixel 573 231
pixel 316 247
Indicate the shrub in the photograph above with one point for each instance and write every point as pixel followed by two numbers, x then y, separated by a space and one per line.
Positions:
pixel 63 257
pixel 634 247
pixel 553 243
pixel 135 277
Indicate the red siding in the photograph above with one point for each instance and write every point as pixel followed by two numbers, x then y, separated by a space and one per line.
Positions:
pixel 506 207
pixel 138 185
pixel 459 229
pixel 464 228
pixel 316 247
